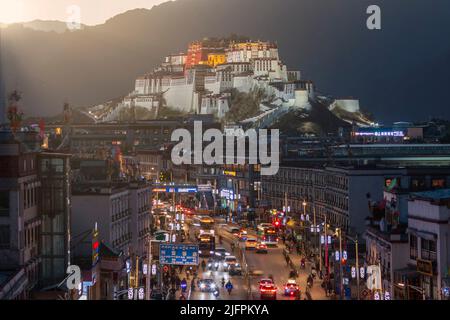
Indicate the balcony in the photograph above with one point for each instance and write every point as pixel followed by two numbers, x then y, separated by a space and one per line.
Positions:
pixel 397 235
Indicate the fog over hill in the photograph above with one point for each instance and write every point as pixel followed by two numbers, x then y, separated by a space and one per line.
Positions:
pixel 400 70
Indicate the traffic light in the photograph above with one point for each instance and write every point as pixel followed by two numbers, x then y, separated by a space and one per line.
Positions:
pixel 277 223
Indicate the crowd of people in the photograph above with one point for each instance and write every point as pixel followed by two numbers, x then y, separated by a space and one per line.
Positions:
pixel 290 243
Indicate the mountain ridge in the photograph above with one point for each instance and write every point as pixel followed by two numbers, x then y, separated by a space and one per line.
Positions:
pixel 343 60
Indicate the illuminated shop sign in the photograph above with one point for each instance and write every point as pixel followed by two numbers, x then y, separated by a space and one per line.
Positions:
pixel 381 134
pixel 227 194
pixel 176 190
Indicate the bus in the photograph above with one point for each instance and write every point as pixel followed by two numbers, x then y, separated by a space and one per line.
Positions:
pixel 206 244
pixel 203 224
pixel 262 228
pixel 268 236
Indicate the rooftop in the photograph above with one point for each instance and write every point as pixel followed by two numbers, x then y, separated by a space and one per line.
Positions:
pixel 442 194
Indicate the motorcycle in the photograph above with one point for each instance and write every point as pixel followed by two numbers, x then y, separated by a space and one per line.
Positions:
pixel 216 293
pixel 216 265
pixel 303 264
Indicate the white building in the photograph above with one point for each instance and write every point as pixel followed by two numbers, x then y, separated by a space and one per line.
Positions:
pixel 429 241
pixel 249 65
pixel 122 213
pixel 215 104
pixel 246 51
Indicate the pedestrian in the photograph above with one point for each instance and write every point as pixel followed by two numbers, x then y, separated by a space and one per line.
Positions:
pixel 329 287
pixel 288 260
pixel 325 288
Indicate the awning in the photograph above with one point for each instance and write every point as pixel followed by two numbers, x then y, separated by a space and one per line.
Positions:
pixel 422 234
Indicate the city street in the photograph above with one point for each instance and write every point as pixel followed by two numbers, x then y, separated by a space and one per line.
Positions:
pixel 261 266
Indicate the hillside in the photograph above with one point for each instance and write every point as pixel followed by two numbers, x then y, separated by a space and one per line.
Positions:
pixel 388 70
pixel 319 121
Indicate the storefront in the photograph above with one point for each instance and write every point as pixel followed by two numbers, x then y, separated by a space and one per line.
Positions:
pixel 429 281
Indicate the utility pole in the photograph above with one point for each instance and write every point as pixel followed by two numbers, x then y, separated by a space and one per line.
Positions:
pixel 304 225
pixel 149 266
pixel 285 204
pixel 136 279
pixel 357 266
pixel 315 231
pixel 325 239
pixel 341 280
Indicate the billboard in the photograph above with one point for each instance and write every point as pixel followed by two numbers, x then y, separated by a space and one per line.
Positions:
pixel 178 254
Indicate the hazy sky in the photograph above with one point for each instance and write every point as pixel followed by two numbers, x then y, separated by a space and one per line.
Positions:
pixel 91 11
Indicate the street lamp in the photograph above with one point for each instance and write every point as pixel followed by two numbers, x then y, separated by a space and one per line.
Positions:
pixel 341 285
pixel 418 289
pixel 304 229
pixel 357 262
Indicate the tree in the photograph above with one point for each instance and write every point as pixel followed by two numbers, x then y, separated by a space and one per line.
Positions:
pixel 245 105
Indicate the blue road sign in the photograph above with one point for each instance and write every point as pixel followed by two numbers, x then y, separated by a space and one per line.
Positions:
pixel 178 254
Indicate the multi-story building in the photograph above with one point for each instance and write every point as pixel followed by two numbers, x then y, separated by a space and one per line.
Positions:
pixel 20 219
pixel 429 243
pixel 121 211
pixel 96 140
pixel 55 179
pixel 239 188
pixel 150 162
pixel 342 192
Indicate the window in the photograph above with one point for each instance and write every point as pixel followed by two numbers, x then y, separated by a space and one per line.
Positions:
pixel 413 247
pixel 428 249
pixel 417 183
pixel 438 183
pixel 4 237
pixel 4 203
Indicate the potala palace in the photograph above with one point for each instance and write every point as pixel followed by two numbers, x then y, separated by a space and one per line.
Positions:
pixel 201 81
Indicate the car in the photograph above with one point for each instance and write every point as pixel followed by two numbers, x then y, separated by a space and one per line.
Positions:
pixel 265 281
pixel 234 270
pixel 230 260
pixel 242 235
pixel 268 291
pixel 234 230
pixel 261 248
pixel 250 243
pixel 207 285
pixel 292 289
pixel 220 253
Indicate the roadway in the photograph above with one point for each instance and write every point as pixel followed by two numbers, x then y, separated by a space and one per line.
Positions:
pixel 262 265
